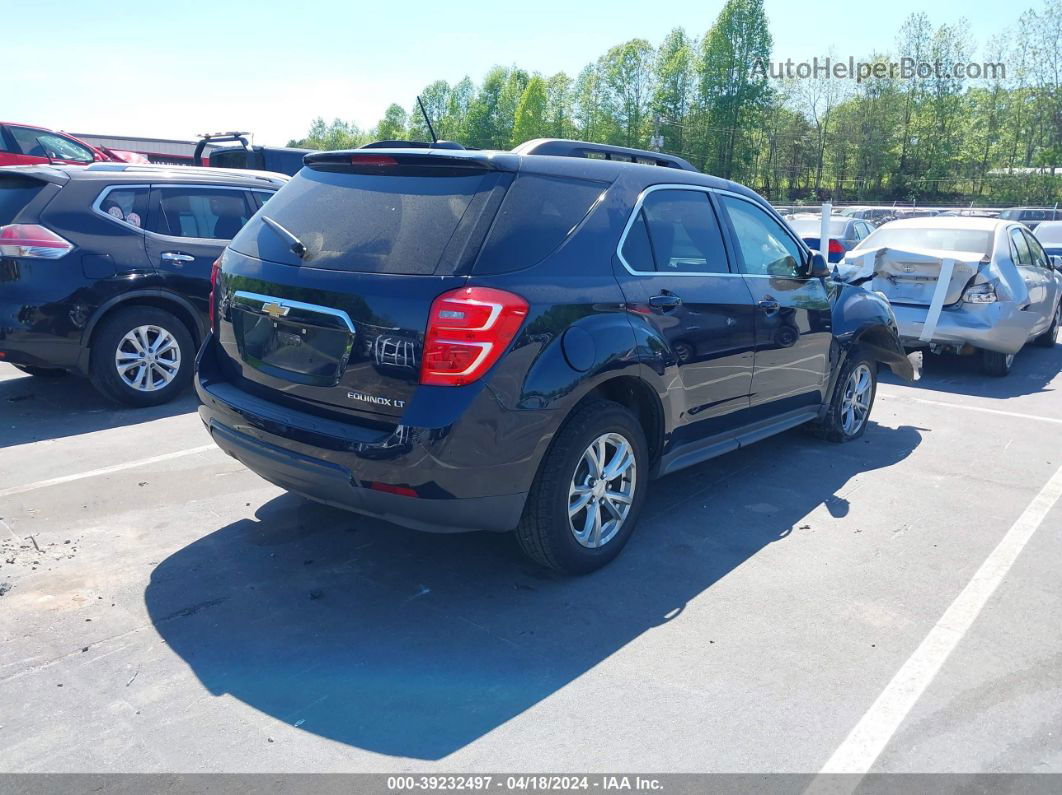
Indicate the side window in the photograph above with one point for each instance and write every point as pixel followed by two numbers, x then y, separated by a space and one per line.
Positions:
pixel 1036 251
pixel 59 148
pixel 766 249
pixel 637 251
pixel 262 196
pixel 1020 250
pixel 6 143
pixel 128 205
pixel 200 212
pixel 683 232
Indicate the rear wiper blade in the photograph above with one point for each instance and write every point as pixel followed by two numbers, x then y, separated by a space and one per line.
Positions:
pixel 297 246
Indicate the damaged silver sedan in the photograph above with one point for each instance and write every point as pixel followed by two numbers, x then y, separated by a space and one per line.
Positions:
pixel 963 285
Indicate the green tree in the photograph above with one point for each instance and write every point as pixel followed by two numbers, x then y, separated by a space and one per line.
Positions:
pixel 531 119
pixel 392 126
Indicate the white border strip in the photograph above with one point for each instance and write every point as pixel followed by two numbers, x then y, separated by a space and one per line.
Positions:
pixel 868 739
pixel 42 484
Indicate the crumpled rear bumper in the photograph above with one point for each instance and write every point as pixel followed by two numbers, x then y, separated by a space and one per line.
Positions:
pixel 1002 326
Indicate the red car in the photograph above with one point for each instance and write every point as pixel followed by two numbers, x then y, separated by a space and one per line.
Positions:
pixel 26 145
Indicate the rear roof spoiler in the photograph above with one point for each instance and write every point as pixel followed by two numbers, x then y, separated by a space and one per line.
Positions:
pixel 558 147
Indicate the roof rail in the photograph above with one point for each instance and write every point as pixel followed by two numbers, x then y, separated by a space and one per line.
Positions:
pixel 559 147
pixel 186 171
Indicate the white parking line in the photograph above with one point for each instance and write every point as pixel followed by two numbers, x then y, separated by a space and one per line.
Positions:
pixel 870 736
pixel 41 484
pixel 1000 412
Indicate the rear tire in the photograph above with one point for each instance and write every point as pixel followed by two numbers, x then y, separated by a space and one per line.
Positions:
pixel 1047 339
pixel 154 351
pixel 42 372
pixel 557 528
pixel 996 364
pixel 852 401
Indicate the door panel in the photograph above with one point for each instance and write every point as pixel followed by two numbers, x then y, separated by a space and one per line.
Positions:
pixel 675 276
pixel 792 318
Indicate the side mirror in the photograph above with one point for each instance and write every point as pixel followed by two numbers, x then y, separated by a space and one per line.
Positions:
pixel 817 267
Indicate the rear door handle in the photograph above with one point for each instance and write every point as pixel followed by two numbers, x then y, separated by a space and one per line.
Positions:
pixel 665 301
pixel 176 256
pixel 768 305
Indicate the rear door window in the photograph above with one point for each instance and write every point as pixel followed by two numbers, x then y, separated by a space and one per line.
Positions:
pixel 200 212
pixel 538 214
pixel 683 232
pixel 127 205
pixel 1020 248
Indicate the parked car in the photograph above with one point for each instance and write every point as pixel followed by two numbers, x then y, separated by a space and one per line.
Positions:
pixel 845 232
pixel 1049 233
pixel 877 215
pixel 963 285
pixel 105 269
pixel 496 344
pixel 1031 216
pixel 27 145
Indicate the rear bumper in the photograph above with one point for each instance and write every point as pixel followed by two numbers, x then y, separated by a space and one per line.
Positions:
pixel 458 478
pixel 39 334
pixel 1000 327
pixel 335 485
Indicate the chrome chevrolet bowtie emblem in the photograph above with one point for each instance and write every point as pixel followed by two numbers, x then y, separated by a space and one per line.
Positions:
pixel 275 310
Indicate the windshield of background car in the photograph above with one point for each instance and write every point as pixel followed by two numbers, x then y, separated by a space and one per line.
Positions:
pixel 938 238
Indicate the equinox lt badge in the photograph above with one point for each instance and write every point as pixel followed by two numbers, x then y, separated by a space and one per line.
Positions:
pixel 375 400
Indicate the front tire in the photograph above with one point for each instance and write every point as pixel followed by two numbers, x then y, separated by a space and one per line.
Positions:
pixel 852 401
pixel 142 356
pixel 589 490
pixel 996 364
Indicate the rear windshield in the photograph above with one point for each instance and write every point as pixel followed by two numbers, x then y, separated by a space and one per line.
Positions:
pixel 16 191
pixel 944 239
pixel 810 227
pixel 371 223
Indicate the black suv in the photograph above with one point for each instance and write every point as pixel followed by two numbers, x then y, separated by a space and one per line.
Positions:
pixel 105 270
pixel 465 340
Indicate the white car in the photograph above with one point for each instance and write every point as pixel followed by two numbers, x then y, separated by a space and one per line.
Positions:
pixel 1049 233
pixel 963 285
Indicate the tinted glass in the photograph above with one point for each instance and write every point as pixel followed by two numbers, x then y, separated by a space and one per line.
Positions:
pixel 374 223
pixel 766 249
pixel 126 204
pixel 974 240
pixel 1020 248
pixel 684 232
pixel 16 191
pixel 1039 259
pixel 208 213
pixel 536 216
pixel 637 251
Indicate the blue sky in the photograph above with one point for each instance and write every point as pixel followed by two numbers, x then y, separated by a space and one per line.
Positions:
pixel 175 69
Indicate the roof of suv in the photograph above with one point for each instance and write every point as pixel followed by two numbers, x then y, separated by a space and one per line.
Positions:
pixel 121 172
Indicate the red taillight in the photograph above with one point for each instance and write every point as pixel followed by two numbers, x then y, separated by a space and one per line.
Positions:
pixel 32 240
pixel 468 329
pixel 836 248
pixel 373 160
pixel 215 269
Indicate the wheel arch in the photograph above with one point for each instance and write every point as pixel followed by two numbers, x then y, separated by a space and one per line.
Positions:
pixel 177 305
pixel 636 395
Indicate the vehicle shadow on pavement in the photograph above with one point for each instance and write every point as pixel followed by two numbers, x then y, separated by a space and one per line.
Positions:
pixel 1033 370
pixel 415 645
pixel 32 409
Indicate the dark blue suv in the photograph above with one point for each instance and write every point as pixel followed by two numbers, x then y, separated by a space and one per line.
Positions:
pixel 465 340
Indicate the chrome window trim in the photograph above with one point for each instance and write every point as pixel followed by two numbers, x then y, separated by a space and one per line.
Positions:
pixel 706 190
pixel 315 308
pixel 97 204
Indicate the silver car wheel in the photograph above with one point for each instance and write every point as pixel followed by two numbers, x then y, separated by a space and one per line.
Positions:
pixel 147 358
pixel 855 401
pixel 602 490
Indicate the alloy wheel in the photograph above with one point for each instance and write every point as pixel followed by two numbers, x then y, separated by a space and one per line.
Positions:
pixel 147 358
pixel 855 402
pixel 602 490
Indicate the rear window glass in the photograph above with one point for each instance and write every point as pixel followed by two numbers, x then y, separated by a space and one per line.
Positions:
pixel 16 192
pixel 944 239
pixel 537 215
pixel 370 223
